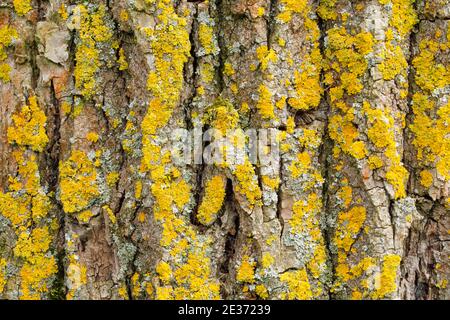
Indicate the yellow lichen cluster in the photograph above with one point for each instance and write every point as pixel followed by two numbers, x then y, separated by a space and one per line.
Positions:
pixel 22 7
pixel 247 183
pixel 394 64
pixel 298 285
pixel 350 226
pixel 350 222
pixel 2 274
pixel 404 16
pixel 346 56
pixel 265 106
pixel 170 46
pixel 206 38
pixel 78 182
pixel 123 64
pixel 222 116
pixel 430 124
pixel 7 35
pixel 212 201
pixel 191 280
pixel 291 7
pixel 185 269
pixel 307 91
pixel 385 283
pixel 326 9
pixel 307 209
pixel 92 32
pixel 26 205
pixel 246 271
pixel 266 56
pixel 29 127
pixel 381 132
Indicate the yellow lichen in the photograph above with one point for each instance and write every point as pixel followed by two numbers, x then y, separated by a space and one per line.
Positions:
pixel 246 271
pixel 386 281
pixel 2 274
pixel 426 178
pixel 92 137
pixel 212 201
pixel 349 224
pixel 122 61
pixel 22 7
pixel 291 7
pixel 326 9
pixel 266 56
pixel 78 182
pixel 404 16
pixel 29 127
pixel 265 105
pixel 7 35
pixel 247 182
pixel 206 38
pixel 381 133
pixel 298 285
pixel 92 31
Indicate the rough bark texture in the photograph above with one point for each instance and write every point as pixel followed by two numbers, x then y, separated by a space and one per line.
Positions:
pixel 92 206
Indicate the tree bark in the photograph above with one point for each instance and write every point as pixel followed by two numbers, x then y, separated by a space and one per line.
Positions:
pixel 353 204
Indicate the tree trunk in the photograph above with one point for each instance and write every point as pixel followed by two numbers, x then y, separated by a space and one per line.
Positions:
pixel 353 202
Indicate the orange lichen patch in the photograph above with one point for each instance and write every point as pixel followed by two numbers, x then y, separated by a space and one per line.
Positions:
pixel 298 285
pixel 29 127
pixel 78 182
pixel 212 201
